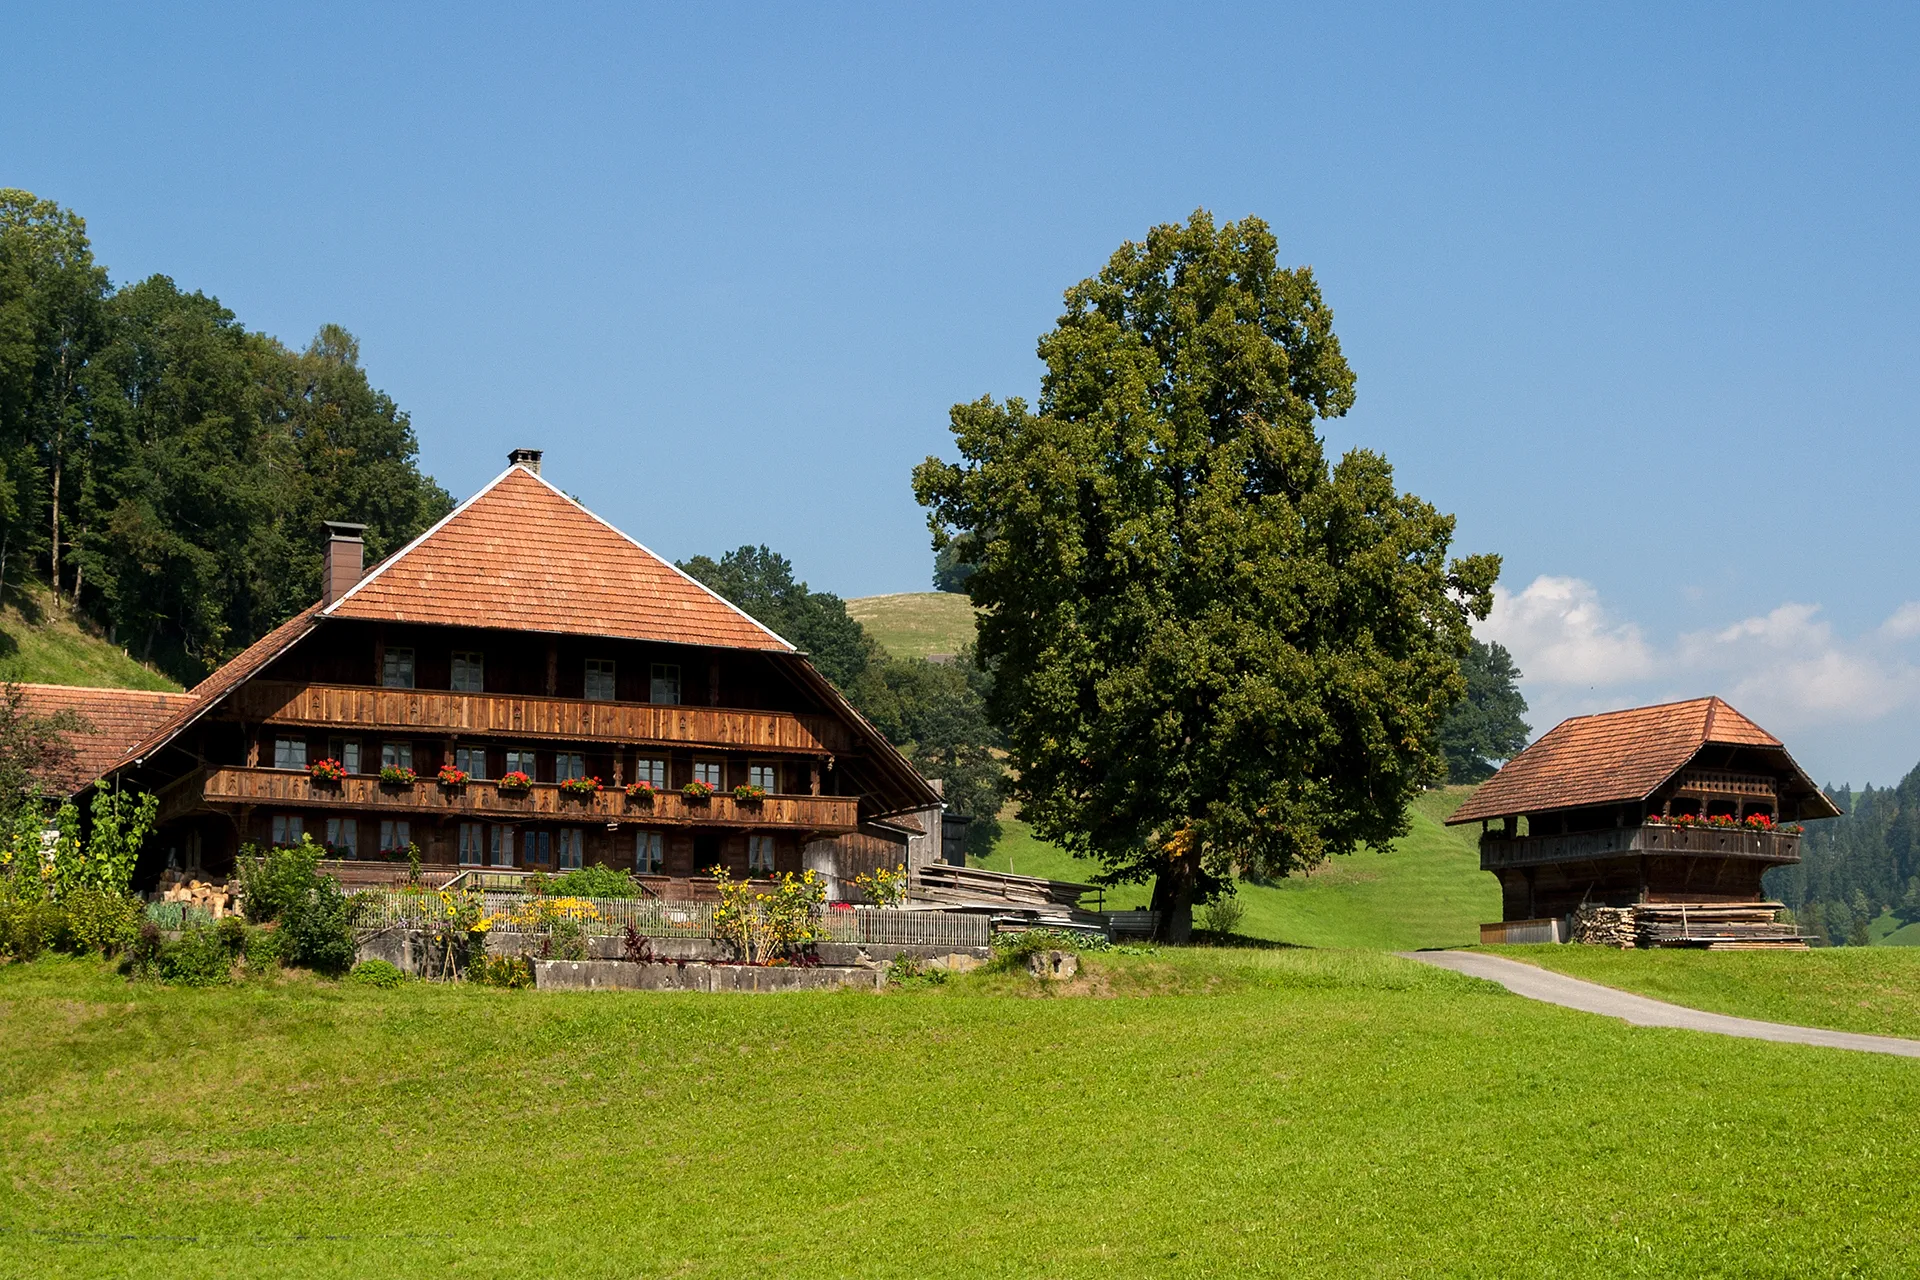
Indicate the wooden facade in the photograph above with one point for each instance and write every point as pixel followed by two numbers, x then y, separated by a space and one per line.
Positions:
pixel 631 673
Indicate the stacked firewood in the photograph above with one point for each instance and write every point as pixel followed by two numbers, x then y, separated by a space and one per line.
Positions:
pixel 217 900
pixel 1603 927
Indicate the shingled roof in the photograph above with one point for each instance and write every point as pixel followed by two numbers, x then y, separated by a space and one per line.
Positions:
pixel 522 555
pixel 116 720
pixel 1615 758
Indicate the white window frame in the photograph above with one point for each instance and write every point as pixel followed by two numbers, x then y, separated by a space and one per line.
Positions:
pixel 649 853
pixel 760 855
pixel 397 669
pixel 600 686
pixel 663 684
pixel 469 673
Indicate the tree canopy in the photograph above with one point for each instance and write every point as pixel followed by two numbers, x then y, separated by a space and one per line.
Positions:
pixel 1213 651
pixel 1485 727
pixel 760 581
pixel 167 470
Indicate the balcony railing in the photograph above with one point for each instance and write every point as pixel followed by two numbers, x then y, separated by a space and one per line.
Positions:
pixel 341 707
pixel 1719 842
pixel 544 801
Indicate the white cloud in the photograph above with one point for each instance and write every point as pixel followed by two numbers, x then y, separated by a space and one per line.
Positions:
pixel 1559 634
pixel 1903 624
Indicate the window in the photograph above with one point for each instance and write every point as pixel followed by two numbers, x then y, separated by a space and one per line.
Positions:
pixel 289 753
pixel 396 669
pixel 346 751
pixel 469 672
pixel 471 760
pixel 500 850
pixel 568 764
pixel 649 853
pixel 287 828
pixel 472 844
pixel 654 771
pixel 599 680
pixel 760 855
pixel 396 755
pixel 537 849
pixel 709 772
pixel 764 776
pixel 343 837
pixel 665 684
pixel 570 841
pixel 521 761
pixel 395 836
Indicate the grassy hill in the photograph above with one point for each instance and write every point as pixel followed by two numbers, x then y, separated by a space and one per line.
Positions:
pixel 1304 1113
pixel 916 624
pixel 42 644
pixel 1427 891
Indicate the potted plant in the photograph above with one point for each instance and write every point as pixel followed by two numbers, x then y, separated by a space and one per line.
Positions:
pixel 329 772
pixel 452 777
pixel 697 790
pixel 580 788
pixel 392 775
pixel 641 792
pixel 515 782
pixel 749 793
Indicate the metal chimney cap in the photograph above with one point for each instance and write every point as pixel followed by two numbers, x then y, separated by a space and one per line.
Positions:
pixel 341 529
pixel 528 458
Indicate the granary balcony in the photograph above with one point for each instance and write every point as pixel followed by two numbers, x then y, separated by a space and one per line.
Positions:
pixel 226 788
pixel 371 709
pixel 1651 841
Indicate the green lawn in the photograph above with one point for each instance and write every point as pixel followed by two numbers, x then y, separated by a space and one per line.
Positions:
pixel 1428 891
pixel 40 644
pixel 915 624
pixel 1341 1114
pixel 1870 989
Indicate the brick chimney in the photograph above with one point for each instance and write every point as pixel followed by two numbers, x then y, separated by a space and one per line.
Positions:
pixel 345 560
pixel 528 458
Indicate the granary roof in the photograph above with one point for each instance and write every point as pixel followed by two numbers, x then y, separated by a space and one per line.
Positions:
pixel 115 720
pixel 521 555
pixel 1617 757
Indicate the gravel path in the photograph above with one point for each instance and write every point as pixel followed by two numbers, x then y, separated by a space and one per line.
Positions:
pixel 1556 988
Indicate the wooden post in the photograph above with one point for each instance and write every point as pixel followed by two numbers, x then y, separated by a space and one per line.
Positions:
pixel 815 790
pixel 553 667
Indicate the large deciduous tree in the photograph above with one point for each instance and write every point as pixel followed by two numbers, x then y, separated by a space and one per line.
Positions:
pixel 1486 725
pixel 1213 650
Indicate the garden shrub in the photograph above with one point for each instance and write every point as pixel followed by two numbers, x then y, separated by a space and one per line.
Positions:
pixel 29 926
pixel 1010 950
pixel 285 887
pixel 100 921
pixel 515 972
pixel 143 954
pixel 589 882
pixel 377 973
pixel 262 949
pixel 199 958
pixel 1223 915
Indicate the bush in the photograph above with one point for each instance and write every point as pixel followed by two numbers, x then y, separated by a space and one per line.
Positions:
pixel 588 882
pixel 377 973
pixel 272 883
pixel 284 886
pixel 200 958
pixel 515 972
pixel 262 949
pixel 100 921
pixel 143 955
pixel 29 926
pixel 1223 915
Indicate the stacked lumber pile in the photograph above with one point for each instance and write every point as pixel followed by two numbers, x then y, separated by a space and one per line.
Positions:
pixel 1715 926
pixel 1013 901
pixel 1603 927
pixel 217 900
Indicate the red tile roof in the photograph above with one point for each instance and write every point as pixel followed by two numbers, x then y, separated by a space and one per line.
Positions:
pixel 115 720
pixel 1614 758
pixel 521 555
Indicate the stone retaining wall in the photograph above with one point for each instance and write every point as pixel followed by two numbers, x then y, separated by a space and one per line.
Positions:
pixel 620 975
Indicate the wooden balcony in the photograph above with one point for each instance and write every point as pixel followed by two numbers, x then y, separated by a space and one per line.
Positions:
pixel 347 708
pixel 1586 846
pixel 544 802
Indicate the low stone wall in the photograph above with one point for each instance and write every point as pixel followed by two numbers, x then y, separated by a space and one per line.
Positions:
pixel 621 975
pixel 411 951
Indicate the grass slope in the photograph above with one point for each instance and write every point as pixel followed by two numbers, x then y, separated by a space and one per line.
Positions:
pixel 916 624
pixel 1319 1113
pixel 42 644
pixel 1870 989
pixel 1428 891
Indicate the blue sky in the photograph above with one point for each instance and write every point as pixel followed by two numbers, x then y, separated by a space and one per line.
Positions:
pixel 1631 290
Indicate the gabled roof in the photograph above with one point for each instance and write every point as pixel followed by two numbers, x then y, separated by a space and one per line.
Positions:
pixel 1617 757
pixel 521 555
pixel 116 721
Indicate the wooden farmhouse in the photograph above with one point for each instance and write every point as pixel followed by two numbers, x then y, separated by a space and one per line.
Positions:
pixel 1674 812
pixel 523 687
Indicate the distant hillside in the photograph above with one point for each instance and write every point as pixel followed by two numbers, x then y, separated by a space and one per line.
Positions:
pixel 916 624
pixel 39 644
pixel 1428 891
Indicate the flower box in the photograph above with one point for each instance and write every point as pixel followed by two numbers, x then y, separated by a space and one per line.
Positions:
pixel 452 777
pixel 749 793
pixel 514 783
pixel 328 772
pixel 697 790
pixel 397 776
pixel 580 787
pixel 641 792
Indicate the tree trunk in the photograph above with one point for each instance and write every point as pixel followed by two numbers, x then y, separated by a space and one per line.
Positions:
pixel 1173 901
pixel 55 546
